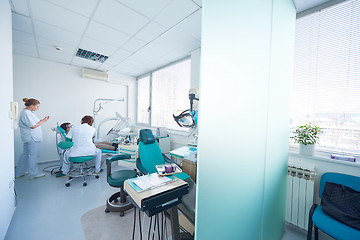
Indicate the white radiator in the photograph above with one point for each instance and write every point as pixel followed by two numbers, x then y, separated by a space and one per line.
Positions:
pixel 300 196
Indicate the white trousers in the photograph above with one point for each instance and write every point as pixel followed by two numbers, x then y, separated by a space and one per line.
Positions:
pixel 29 159
pixel 66 163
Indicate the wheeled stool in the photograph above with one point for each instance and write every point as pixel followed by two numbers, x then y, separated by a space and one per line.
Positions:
pixel 118 202
pixel 82 174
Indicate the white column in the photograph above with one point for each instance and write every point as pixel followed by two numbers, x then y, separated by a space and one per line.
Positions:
pixel 246 63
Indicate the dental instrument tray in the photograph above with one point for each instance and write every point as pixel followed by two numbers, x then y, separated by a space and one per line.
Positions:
pixel 168 169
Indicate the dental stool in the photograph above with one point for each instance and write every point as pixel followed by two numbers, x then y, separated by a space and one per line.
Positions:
pixel 81 161
pixel 118 202
pixel 77 161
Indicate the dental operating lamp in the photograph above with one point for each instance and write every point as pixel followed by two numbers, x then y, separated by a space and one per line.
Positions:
pixel 188 118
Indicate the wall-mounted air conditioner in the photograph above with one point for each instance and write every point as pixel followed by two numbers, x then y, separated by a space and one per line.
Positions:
pixel 94 74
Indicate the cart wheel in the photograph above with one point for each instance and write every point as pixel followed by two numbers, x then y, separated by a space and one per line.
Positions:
pixel 97 176
pixel 67 184
pixel 121 214
pixel 84 184
pixel 107 210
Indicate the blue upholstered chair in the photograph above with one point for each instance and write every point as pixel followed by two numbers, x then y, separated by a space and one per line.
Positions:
pixel 324 222
pixel 118 202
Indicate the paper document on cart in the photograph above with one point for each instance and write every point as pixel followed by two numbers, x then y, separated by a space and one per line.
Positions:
pixel 151 181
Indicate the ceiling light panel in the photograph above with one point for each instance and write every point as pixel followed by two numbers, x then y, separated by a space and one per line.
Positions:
pixel 96 57
pixel 116 15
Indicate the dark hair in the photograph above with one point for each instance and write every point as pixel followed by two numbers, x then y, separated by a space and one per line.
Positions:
pixel 87 119
pixel 65 126
pixel 31 101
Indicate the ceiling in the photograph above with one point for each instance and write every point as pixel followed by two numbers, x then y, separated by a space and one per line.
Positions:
pixel 137 35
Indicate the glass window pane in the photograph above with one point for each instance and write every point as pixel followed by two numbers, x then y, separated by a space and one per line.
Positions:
pixel 326 89
pixel 143 100
pixel 170 93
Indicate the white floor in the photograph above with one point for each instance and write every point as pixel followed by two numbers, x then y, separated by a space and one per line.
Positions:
pixel 46 209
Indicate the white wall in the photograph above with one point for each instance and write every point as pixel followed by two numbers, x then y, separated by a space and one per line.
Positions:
pixel 66 96
pixel 7 196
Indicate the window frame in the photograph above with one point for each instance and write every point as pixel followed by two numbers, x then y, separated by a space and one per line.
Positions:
pixel 321 153
pixel 150 74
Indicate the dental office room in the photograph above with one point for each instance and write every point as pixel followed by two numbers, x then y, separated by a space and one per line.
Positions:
pixel 206 119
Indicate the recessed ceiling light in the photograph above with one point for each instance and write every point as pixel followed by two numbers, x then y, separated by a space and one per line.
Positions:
pixel 97 57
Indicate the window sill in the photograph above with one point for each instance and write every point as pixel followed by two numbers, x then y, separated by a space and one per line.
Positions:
pixel 178 133
pixel 321 156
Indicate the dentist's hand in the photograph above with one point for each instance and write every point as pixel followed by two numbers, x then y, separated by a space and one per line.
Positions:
pixel 45 119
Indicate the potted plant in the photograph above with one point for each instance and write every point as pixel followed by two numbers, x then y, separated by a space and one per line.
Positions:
pixel 307 136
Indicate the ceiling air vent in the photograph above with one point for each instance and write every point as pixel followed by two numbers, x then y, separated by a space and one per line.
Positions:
pixel 94 74
pixel 97 57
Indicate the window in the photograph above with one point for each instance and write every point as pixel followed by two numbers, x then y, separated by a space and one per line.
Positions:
pixel 169 93
pixel 326 88
pixel 143 100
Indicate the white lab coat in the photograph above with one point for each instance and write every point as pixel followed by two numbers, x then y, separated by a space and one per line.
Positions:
pixel 81 136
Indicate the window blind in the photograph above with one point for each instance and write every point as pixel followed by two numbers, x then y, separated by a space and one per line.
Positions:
pixel 326 87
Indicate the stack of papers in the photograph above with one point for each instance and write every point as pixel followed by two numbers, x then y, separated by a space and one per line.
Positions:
pixel 183 152
pixel 151 181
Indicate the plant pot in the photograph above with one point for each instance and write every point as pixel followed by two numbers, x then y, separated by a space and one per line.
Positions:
pixel 307 150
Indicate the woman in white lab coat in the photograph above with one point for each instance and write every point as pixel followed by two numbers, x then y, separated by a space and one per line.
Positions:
pixel 81 136
pixel 31 135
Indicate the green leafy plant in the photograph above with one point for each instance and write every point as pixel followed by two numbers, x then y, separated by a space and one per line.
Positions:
pixel 306 134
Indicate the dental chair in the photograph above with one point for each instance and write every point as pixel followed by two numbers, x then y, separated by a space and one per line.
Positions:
pixel 149 156
pixel 118 202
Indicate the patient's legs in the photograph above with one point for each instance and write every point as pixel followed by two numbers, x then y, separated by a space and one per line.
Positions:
pixel 66 164
pixel 97 160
